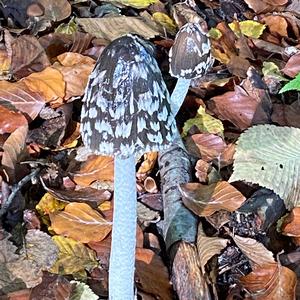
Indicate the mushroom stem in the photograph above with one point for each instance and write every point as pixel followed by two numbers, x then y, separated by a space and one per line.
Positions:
pixel 122 256
pixel 178 94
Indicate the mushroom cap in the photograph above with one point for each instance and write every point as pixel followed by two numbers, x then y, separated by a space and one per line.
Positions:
pixel 126 106
pixel 190 56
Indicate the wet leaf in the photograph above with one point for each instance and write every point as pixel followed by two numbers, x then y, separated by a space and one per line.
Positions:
pixel 204 200
pixel 152 275
pixel 74 257
pixel 268 155
pixel 249 28
pixel 95 168
pixel 204 122
pixel 18 95
pixel 208 247
pixel 49 83
pixel 114 27
pixel 10 120
pixel 80 222
pixel 270 282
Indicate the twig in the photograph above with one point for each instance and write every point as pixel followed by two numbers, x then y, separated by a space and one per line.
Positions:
pixel 15 189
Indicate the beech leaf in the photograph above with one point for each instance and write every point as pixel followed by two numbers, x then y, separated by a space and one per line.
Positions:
pixel 80 222
pixel 10 120
pixel 204 200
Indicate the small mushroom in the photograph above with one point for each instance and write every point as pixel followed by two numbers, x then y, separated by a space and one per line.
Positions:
pixel 190 57
pixel 126 112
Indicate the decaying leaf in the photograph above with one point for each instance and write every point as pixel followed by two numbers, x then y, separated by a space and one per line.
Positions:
pixel 82 291
pixel 269 156
pixel 114 27
pixel 292 67
pixel 10 120
pixel 74 257
pixel 80 222
pixel 204 200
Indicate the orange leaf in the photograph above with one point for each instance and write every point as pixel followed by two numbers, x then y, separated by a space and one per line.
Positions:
pixel 81 223
pixel 49 83
pixel 10 120
pixel 204 200
pixel 95 168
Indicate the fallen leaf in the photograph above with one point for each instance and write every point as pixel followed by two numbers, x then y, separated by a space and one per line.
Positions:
pixel 18 95
pixel 205 146
pixel 49 204
pixel 10 120
pixel 249 28
pixel 49 83
pixel 152 275
pixel 202 169
pixel 95 168
pixel 13 148
pixel 165 21
pixel 238 107
pixel 292 67
pixel 290 226
pixel 276 24
pixel 208 247
pixel 80 222
pixel 73 257
pixel 256 252
pixel 28 56
pixel 56 10
pixel 114 27
pixel 82 291
pixel 204 122
pixel 147 165
pixel 264 6
pixel 204 200
pixel 270 282
pixel 286 115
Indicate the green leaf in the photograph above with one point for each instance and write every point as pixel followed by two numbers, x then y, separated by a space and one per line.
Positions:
pixel 204 122
pixel 269 155
pixel 215 33
pixel 294 84
pixel 69 28
pixel 249 28
pixel 271 69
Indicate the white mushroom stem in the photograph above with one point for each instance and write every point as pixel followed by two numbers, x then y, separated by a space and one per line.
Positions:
pixel 178 94
pixel 122 256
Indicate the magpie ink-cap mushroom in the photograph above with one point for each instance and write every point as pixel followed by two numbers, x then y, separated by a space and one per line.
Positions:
pixel 126 112
pixel 189 57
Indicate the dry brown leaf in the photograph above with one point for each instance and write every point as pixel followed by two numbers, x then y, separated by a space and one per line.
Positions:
pixel 56 10
pixel 292 67
pixel 202 169
pixel 81 223
pixel 95 168
pixel 204 200
pixel 10 120
pixel 19 96
pixel 13 148
pixel 238 107
pixel 114 27
pixel 152 275
pixel 270 282
pixel 208 247
pixel 76 69
pixel 49 83
pixel 205 146
pixel 276 24
pixel 226 157
pixel 290 226
pixel 28 56
pixel 286 115
pixel 264 6
pixel 256 252
pixel 147 165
